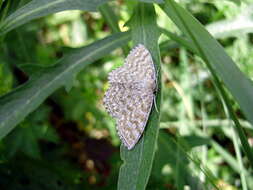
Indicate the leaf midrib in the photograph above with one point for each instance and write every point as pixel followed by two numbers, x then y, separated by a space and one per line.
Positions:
pixel 32 11
pixel 37 94
pixel 142 145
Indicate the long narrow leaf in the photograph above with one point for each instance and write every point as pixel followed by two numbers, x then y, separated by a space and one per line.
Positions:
pixel 110 17
pixel 152 1
pixel 220 64
pixel 238 2
pixel 39 8
pixel 135 171
pixel 16 105
pixel 112 20
pixel 241 24
pixel 215 56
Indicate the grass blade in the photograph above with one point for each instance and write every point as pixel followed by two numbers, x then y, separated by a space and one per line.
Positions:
pixel 135 171
pixel 16 105
pixel 214 56
pixel 238 127
pixel 238 2
pixel 110 17
pixel 38 8
pixel 241 24
pixel 177 154
pixel 220 64
pixel 112 20
pixel 152 1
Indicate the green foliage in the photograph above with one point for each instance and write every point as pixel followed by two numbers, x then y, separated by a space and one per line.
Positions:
pixel 39 8
pixel 238 2
pixel 54 132
pixel 152 1
pixel 144 31
pixel 46 80
pixel 220 64
pixel 216 58
pixel 5 79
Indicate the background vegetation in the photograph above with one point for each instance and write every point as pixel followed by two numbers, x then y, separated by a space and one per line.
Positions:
pixel 55 56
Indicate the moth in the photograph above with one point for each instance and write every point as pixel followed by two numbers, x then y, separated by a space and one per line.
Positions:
pixel 131 94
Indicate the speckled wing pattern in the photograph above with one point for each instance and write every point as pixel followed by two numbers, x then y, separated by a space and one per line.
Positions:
pixel 130 96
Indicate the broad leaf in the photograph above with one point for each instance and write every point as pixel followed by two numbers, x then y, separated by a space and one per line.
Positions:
pixel 40 8
pixel 16 105
pixel 135 171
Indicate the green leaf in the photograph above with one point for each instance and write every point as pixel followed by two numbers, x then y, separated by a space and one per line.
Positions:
pixel 194 140
pixel 220 64
pixel 175 153
pixel 170 154
pixel 110 17
pixel 41 174
pixel 236 27
pixel 39 8
pixel 180 40
pixel 16 105
pixel 215 56
pixel 237 125
pixel 135 171
pixel 31 69
pixel 112 20
pixel 1 2
pixel 238 2
pixel 152 1
pixel 233 163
